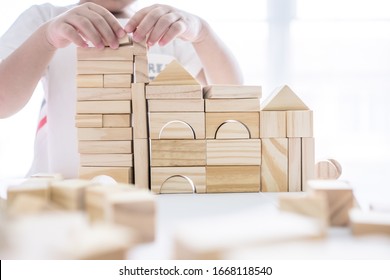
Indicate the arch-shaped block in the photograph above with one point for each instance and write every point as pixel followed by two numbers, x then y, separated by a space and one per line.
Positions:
pixel 232 129
pixel 176 130
pixel 178 184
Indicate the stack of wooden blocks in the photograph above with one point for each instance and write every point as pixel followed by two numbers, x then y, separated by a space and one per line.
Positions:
pixel 104 108
pixel 184 138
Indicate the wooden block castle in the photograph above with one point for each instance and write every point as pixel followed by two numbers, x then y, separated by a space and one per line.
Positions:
pixel 172 135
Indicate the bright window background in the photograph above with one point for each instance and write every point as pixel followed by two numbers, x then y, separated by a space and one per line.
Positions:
pixel 335 54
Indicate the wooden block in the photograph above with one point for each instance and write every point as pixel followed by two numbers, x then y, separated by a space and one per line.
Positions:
pixel 294 164
pixel 232 129
pixel 70 194
pixel 104 67
pixel 135 209
pixel 96 199
pixel 234 152
pixel 89 120
pixel 140 116
pixel 141 71
pixel 122 53
pixel 178 179
pixel 104 107
pixel 249 120
pixel 174 74
pixel 105 147
pixel 106 160
pixel 160 125
pixel 27 204
pixel 32 187
pixel 328 169
pixel 174 92
pixel 283 99
pixel 231 91
pixel 120 120
pixel 274 165
pixel 178 153
pixel 85 94
pixel 340 199
pixel 89 81
pixel 308 161
pixel 300 123
pixel 176 105
pixel 309 204
pixel 369 222
pixel 115 134
pixel 119 174
pixel 232 105
pixel 117 81
pixel 140 48
pixel 273 124
pixel 126 40
pixel 228 179
pixel 141 163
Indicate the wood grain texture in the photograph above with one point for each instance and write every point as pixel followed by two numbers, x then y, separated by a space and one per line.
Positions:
pixel 274 165
pixel 294 164
pixel 104 107
pixel 273 124
pixel 104 67
pixel 122 53
pixel 106 160
pixel 117 80
pixel 232 105
pixel 139 111
pixel 300 123
pixel 283 99
pixel 234 152
pixel 176 105
pixel 228 179
pixel 103 93
pixel 105 147
pixel 89 81
pixel 118 120
pixel 116 134
pixel 89 120
pixel 174 92
pixel 232 92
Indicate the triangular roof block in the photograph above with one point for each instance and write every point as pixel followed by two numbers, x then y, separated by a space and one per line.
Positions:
pixel 174 74
pixel 283 99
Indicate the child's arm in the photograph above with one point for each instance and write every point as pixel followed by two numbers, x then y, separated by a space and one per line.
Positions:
pixel 164 23
pixel 21 71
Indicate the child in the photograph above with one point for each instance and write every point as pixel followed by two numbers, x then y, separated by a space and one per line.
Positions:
pixel 41 45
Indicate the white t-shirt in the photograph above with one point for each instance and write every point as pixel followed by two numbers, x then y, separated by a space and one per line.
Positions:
pixel 56 141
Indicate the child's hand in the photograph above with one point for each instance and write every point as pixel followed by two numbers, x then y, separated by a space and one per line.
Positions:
pixel 161 24
pixel 86 22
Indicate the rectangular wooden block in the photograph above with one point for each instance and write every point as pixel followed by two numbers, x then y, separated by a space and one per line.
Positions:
pixel 294 164
pixel 178 179
pixel 177 125
pixel 141 163
pixel 96 199
pixel 174 92
pixel 309 204
pixel 85 94
pixel 106 160
pixel 232 105
pixel 104 67
pixel 227 179
pixel 117 80
pixel 249 121
pixel 274 165
pixel 31 187
pixel 104 107
pixel 176 105
pixel 135 209
pixel 122 53
pixel 178 153
pixel 140 115
pixel 369 222
pixel 119 174
pixel 273 124
pixel 116 134
pixel 231 92
pixel 105 147
pixel 70 194
pixel 340 199
pixel 89 81
pixel 89 120
pixel 300 123
pixel 308 161
pixel 141 71
pixel 119 120
pixel 234 152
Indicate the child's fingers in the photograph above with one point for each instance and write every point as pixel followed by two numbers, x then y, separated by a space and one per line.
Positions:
pixel 177 28
pixel 165 24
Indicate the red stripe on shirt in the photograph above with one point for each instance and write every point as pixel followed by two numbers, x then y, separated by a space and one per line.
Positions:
pixel 42 123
